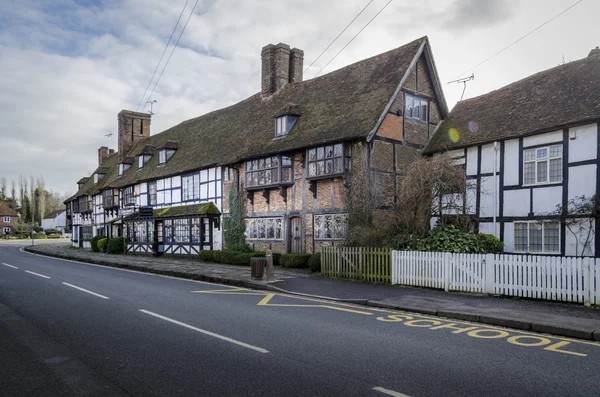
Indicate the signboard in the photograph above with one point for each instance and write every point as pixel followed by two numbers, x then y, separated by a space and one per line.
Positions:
pixel 146 212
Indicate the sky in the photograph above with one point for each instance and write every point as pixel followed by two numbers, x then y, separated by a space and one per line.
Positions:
pixel 67 67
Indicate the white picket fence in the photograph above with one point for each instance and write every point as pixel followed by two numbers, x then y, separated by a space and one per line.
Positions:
pixel 541 277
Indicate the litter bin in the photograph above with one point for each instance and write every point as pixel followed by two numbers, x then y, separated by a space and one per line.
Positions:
pixel 257 268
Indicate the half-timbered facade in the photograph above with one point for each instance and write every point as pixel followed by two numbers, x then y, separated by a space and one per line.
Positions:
pixel 292 152
pixel 528 149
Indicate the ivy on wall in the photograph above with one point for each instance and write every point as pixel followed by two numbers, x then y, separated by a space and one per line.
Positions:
pixel 234 225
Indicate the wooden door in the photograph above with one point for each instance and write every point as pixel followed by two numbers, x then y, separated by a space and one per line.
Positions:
pixel 296 235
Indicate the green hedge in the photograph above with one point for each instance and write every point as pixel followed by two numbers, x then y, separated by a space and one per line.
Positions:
pixel 294 260
pixel 314 262
pixel 453 240
pixel 53 235
pixel 52 231
pixel 102 243
pixel 207 255
pixel 94 243
pixel 38 236
pixel 115 245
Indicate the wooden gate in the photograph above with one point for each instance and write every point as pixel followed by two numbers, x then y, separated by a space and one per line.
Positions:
pixel 296 235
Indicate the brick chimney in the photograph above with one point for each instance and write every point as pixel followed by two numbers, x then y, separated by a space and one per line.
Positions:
pixel 280 66
pixel 102 154
pixel 133 127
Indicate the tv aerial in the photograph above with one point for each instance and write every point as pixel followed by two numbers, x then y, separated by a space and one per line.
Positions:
pixel 151 106
pixel 464 80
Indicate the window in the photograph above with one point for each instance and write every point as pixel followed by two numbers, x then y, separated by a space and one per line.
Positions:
pixel 152 193
pixel 87 233
pixel 415 108
pixel 190 185
pixel 268 171
pixel 284 124
pixel 330 227
pixel 128 196
pixel 140 232
pixel 7 219
pixel 110 198
pixel 326 160
pixel 162 157
pixel 177 230
pixel 228 174
pixel 264 229
pixel 75 206
pixel 123 168
pixel 6 230
pixel 537 236
pixel 542 165
pixel 141 161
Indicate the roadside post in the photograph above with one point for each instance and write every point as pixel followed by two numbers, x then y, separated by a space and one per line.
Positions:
pixel 269 256
pixel 32 226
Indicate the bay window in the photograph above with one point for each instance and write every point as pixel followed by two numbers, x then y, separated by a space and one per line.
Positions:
pixel 326 161
pixel 268 171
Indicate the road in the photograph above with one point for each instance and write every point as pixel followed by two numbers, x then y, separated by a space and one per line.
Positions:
pixel 87 330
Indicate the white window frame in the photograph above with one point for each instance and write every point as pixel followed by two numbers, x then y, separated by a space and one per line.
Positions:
pixel 162 157
pixel 319 232
pixel 123 168
pixel 544 250
pixel 7 219
pixel 547 159
pixel 284 124
pixel 5 230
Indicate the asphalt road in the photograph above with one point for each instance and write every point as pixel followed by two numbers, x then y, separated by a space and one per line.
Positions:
pixel 95 331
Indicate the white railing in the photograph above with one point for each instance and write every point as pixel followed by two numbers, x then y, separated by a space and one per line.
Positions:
pixel 540 277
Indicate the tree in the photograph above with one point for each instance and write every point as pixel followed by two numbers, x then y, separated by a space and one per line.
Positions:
pixel 3 189
pixel 234 231
pixel 579 218
pixel 22 228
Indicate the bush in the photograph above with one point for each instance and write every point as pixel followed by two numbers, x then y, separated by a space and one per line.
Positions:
pixel 102 243
pixel 295 260
pixel 453 240
pixel 53 231
pixel 38 236
pixel 53 235
pixel 314 262
pixel 207 256
pixel 239 247
pixel 38 229
pixel 115 245
pixel 94 243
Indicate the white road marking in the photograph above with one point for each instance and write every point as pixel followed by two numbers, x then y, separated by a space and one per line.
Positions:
pixel 85 290
pixel 6 264
pixel 36 274
pixel 389 392
pixel 202 331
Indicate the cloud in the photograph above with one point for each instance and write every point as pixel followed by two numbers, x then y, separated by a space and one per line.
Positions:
pixel 477 14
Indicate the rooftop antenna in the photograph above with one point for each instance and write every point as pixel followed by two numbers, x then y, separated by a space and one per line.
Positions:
pixel 464 80
pixel 151 106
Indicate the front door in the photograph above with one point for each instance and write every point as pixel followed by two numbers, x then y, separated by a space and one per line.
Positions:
pixel 296 235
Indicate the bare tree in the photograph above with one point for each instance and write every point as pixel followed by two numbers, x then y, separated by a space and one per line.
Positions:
pixel 13 190
pixel 41 204
pixel 3 188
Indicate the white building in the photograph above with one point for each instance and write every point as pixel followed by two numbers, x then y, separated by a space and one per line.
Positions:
pixel 530 149
pixel 55 220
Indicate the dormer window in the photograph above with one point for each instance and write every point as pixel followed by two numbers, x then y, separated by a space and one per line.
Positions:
pixel 166 151
pixel 143 159
pixel 162 157
pixel 98 177
pixel 284 124
pixel 123 168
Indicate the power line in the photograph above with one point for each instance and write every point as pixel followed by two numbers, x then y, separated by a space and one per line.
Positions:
pixel 338 36
pixel 173 50
pixel 163 54
pixel 521 38
pixel 352 39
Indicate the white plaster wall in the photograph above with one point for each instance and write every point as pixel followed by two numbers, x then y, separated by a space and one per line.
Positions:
pixel 486 205
pixel 549 137
pixel 516 202
pixel 488 227
pixel 584 146
pixel 452 204
pixel 487 158
pixel 509 237
pixel 472 160
pixel 576 236
pixel 511 162
pixel 582 181
pixel 471 201
pixel 546 199
pixel 433 221
pixel 218 237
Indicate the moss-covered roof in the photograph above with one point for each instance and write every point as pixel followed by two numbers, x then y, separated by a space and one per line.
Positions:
pixel 110 167
pixel 342 105
pixel 548 100
pixel 180 211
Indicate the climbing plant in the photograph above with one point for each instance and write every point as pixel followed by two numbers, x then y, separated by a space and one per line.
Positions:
pixel 234 225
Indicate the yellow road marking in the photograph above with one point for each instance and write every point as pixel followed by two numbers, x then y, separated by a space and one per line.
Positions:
pixel 265 302
pixel 231 291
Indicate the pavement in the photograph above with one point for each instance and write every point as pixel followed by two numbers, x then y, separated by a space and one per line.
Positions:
pixel 531 315
pixel 102 331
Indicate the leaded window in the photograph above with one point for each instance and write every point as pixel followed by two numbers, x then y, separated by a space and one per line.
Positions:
pixel 415 108
pixel 537 236
pixel 542 165
pixel 190 185
pixel 264 229
pixel 330 227
pixel 268 171
pixel 326 160
pixel 129 196
pixel 152 193
pixel 110 198
pixel 141 232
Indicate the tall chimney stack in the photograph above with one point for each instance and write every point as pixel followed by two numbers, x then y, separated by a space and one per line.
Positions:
pixel 280 66
pixel 296 65
pixel 102 154
pixel 133 127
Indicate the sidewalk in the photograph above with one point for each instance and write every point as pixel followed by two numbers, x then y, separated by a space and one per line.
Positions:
pixel 546 317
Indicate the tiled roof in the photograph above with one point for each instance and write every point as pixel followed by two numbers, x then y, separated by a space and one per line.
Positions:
pixel 5 210
pixel 547 100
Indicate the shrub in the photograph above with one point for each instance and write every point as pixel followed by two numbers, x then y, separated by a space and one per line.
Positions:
pixel 94 243
pixel 38 229
pixel 295 260
pixel 239 247
pixel 451 239
pixel 218 256
pixel 314 262
pixel 207 256
pixel 102 243
pixel 115 245
pixel 53 235
pixel 490 243
pixel 39 236
pixel 53 231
